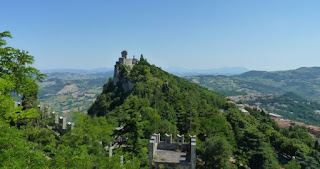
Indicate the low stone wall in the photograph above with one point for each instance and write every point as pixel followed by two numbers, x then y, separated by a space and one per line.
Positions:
pixel 173 146
pixel 160 165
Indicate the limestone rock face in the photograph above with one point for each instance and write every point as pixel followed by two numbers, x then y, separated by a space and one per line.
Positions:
pixel 127 85
pixel 121 73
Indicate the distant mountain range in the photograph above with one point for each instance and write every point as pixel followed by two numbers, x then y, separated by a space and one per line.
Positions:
pixel 80 71
pixel 215 71
pixel 304 81
pixel 179 71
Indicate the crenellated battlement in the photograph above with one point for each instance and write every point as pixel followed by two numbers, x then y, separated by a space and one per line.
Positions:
pixel 171 154
pixel 60 123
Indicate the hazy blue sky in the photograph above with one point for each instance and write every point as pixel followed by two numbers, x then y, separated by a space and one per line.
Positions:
pixel 263 35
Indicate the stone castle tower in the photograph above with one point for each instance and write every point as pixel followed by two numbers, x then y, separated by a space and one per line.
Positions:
pixel 123 60
pixel 129 63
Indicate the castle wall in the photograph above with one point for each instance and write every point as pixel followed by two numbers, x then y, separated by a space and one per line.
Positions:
pixel 173 146
pixel 168 154
pixel 160 165
pixel 127 61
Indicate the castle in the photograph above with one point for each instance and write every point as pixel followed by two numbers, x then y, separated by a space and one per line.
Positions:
pixel 129 63
pixel 123 60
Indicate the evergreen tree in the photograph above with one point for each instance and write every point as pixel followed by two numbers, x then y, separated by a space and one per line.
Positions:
pixel 216 152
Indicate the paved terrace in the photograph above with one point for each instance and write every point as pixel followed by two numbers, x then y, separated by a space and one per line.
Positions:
pixel 170 156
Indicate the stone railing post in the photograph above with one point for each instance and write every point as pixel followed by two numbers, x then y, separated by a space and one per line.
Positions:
pixel 110 149
pixel 168 139
pixel 193 157
pixel 151 150
pixel 180 138
pixel 62 124
pixel 56 119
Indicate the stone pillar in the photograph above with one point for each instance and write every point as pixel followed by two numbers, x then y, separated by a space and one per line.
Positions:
pixel 54 119
pixel 157 138
pixel 180 138
pixel 48 112
pixel 121 160
pixel 151 151
pixel 168 139
pixel 193 156
pixel 62 123
pixel 69 126
pixel 110 149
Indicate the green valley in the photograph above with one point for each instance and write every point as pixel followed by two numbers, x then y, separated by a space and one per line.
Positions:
pixel 67 92
pixel 294 94
pixel 304 82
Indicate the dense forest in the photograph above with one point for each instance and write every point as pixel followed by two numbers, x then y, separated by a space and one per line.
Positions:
pixel 157 102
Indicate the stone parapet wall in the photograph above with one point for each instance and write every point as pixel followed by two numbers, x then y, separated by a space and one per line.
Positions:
pixel 178 154
pixel 173 146
pixel 160 165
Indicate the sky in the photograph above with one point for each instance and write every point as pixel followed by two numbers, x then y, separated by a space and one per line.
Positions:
pixel 76 34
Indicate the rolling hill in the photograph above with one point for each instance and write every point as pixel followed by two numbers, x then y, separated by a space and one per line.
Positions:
pixel 303 81
pixel 66 92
